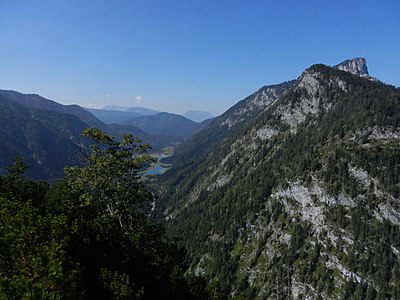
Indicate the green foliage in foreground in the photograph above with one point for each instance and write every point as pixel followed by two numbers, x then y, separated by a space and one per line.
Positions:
pixel 85 238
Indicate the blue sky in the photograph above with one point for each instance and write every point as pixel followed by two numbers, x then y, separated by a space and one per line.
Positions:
pixel 180 55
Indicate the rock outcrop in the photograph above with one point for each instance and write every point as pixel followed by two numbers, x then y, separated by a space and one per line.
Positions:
pixel 356 66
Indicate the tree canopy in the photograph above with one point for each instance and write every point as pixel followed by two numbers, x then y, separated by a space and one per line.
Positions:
pixel 85 237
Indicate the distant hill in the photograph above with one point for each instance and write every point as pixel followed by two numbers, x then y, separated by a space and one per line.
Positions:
pixel 117 114
pixel 113 116
pixel 166 124
pixel 197 115
pixel 136 109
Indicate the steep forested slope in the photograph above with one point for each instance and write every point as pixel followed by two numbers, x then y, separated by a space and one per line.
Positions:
pixel 300 201
pixel 190 154
pixel 47 140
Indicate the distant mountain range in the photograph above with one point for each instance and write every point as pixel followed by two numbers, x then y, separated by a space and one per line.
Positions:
pixel 152 122
pixel 167 124
pixel 47 134
pixel 119 114
pixel 113 116
pixel 136 109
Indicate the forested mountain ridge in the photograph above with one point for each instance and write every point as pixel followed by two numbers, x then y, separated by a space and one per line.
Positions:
pixel 33 101
pixel 299 201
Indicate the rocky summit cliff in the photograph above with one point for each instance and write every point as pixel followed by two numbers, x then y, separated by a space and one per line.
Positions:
pixel 294 192
pixel 356 66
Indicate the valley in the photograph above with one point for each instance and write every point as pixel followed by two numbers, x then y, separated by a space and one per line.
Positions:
pixel 160 167
pixel 29 122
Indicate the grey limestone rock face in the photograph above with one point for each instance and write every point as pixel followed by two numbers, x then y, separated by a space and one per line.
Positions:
pixel 356 66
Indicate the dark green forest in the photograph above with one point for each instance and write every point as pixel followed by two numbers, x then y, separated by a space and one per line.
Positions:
pixel 86 237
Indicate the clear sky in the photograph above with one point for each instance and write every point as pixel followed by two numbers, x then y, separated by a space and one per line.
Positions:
pixel 180 55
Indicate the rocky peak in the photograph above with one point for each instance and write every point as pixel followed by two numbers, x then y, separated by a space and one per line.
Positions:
pixel 356 66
